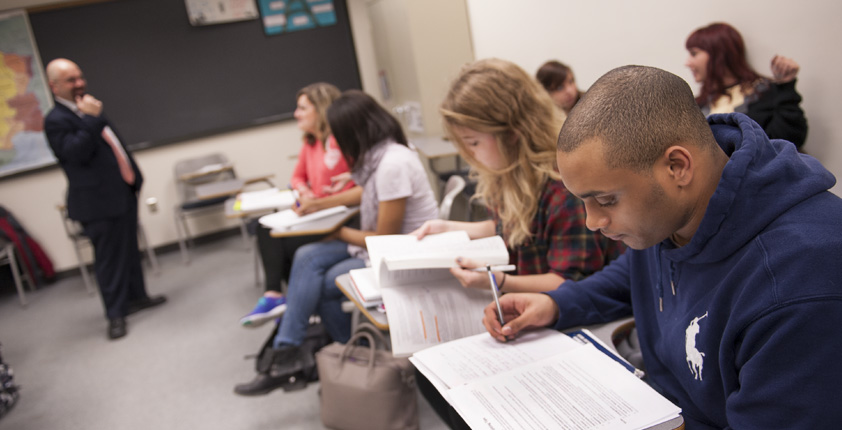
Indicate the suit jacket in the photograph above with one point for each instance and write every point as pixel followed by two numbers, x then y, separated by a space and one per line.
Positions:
pixel 96 190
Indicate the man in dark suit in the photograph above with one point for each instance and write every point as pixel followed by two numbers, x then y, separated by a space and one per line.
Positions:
pixel 103 185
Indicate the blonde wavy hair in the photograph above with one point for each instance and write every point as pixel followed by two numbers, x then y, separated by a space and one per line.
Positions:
pixel 497 97
pixel 321 95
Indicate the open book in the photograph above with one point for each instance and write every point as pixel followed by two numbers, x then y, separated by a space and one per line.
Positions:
pixel 424 303
pixel 271 198
pixel 285 219
pixel 542 379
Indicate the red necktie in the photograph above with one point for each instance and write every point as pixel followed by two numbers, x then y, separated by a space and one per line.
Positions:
pixel 122 160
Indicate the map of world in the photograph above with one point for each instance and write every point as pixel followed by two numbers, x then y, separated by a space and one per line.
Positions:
pixel 24 99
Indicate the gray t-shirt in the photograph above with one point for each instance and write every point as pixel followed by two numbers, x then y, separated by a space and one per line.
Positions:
pixel 399 174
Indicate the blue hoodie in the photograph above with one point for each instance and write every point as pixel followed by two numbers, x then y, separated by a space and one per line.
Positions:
pixel 749 335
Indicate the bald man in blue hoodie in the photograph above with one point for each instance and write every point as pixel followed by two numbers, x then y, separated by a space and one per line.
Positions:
pixel 733 273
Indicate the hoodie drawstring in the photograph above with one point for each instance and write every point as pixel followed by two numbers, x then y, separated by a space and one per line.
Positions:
pixel 658 271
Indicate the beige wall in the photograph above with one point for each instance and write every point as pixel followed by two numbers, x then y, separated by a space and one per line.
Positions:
pixel 594 37
pixel 254 151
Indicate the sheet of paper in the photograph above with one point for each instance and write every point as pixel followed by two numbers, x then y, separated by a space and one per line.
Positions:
pixel 478 356
pixel 271 198
pixel 285 219
pixel 584 390
pixel 430 313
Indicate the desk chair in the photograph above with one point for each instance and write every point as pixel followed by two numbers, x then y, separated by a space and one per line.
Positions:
pixel 189 174
pixel 76 235
pixel 7 256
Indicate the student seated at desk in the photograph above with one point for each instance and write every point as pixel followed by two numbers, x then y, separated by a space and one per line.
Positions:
pixel 733 274
pixel 319 161
pixel 396 199
pixel 505 126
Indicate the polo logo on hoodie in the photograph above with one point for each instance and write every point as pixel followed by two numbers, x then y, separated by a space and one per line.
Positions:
pixel 695 359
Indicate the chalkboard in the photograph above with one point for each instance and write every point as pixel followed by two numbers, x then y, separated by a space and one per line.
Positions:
pixel 162 80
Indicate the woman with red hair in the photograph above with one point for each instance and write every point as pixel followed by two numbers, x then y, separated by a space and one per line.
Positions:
pixel 729 84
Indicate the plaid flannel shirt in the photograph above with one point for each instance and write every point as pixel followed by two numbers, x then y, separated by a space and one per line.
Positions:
pixel 561 243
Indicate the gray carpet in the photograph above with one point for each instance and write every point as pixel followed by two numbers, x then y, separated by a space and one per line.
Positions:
pixel 176 368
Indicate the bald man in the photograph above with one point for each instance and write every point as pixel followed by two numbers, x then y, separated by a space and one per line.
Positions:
pixel 103 185
pixel 733 275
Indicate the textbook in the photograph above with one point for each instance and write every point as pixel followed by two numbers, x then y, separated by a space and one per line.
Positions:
pixel 542 379
pixel 365 285
pixel 271 198
pixel 285 219
pixel 425 304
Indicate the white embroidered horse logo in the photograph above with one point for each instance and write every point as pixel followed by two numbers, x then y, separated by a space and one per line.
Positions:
pixel 695 359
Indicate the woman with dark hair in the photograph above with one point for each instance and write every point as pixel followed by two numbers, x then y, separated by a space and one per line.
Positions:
pixel 557 78
pixel 729 84
pixel 396 199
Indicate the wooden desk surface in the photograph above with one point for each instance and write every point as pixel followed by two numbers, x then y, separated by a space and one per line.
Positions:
pixel 224 188
pixel 434 147
pixel 325 225
pixel 343 282
pixel 228 187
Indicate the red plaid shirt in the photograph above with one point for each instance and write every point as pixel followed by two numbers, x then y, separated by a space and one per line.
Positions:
pixel 561 243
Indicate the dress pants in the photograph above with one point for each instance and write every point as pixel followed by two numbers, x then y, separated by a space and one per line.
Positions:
pixel 117 259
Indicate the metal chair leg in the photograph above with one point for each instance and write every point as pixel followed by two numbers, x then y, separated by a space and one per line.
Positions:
pixel 179 225
pixel 13 265
pixel 150 253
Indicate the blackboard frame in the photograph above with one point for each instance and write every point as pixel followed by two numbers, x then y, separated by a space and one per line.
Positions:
pixel 163 81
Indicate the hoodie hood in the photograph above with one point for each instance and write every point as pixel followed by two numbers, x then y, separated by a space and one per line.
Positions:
pixel 762 180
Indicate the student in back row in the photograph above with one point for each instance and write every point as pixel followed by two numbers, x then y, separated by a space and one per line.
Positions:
pixel 396 199
pixel 733 274
pixel 505 126
pixel 729 84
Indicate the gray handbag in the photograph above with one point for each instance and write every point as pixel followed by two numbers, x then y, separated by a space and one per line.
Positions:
pixel 363 387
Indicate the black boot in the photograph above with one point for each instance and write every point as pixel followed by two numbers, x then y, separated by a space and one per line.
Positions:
pixel 277 368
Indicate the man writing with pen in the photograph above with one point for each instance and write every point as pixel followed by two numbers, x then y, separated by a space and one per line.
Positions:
pixel 733 274
pixel 505 125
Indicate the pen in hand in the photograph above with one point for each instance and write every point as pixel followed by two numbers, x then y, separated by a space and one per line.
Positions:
pixel 494 291
pixel 295 195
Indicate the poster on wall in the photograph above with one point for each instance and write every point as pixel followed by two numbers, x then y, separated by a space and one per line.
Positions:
pixel 24 98
pixel 283 16
pixel 206 12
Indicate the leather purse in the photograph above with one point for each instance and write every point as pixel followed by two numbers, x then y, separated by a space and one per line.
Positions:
pixel 363 387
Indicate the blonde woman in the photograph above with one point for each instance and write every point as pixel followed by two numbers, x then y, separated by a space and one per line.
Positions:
pixel 505 126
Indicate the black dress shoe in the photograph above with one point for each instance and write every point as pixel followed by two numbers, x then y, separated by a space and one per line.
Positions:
pixel 116 328
pixel 139 305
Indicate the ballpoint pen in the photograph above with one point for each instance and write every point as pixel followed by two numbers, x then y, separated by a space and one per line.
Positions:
pixel 295 195
pixel 496 297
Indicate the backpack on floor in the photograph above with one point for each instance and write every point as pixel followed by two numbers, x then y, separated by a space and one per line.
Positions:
pixel 33 259
pixel 8 389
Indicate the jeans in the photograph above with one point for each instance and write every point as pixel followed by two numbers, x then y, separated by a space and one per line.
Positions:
pixel 312 289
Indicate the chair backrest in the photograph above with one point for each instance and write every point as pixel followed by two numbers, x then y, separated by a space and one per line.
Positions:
pixel 455 184
pixel 201 170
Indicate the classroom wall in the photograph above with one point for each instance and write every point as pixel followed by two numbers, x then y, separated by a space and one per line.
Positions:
pixel 267 149
pixel 593 37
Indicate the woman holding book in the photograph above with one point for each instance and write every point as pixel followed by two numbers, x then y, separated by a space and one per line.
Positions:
pixel 319 162
pixel 505 126
pixel 396 199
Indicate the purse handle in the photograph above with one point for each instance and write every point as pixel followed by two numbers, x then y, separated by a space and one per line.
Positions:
pixel 369 327
pixel 366 331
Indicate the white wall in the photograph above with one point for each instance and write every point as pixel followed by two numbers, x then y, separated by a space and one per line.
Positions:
pixel 593 37
pixel 254 151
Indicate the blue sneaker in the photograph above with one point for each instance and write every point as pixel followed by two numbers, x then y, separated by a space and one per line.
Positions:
pixel 267 309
